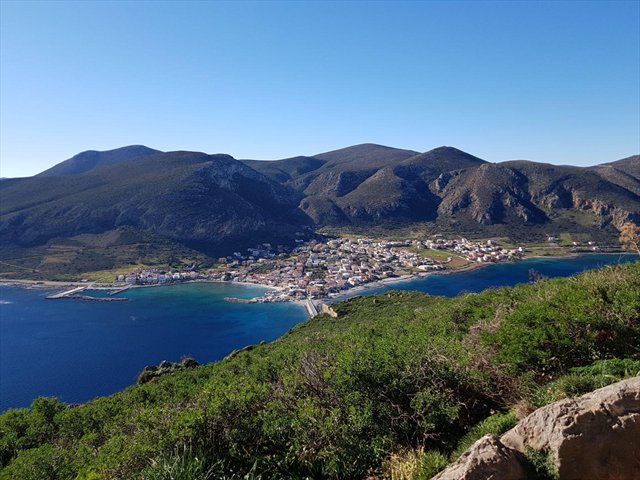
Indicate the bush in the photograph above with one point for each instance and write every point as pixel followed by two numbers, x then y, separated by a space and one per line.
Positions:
pixel 414 465
pixel 41 463
pixel 566 323
pixel 496 424
pixel 585 379
pixel 182 465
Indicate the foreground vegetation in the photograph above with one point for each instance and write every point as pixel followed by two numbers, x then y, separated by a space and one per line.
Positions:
pixel 398 384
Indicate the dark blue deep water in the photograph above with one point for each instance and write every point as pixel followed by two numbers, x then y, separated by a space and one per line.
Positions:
pixel 503 275
pixel 78 350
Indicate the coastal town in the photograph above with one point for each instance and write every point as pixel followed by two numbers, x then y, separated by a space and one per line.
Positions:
pixel 328 269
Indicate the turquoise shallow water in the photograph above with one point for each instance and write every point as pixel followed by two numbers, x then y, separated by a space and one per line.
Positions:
pixel 78 350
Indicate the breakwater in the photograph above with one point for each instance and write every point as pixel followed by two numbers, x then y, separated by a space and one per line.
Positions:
pixel 240 300
pixel 65 294
pixel 88 298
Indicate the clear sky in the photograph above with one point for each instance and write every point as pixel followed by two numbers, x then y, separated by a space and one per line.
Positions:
pixel 556 82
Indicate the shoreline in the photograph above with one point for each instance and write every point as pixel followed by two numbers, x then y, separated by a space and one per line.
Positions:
pixel 55 284
pixel 385 282
pixel 49 284
pixel 467 268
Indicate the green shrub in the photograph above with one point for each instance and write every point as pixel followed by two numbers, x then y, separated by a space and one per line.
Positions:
pixel 433 462
pixel 585 379
pixel 496 424
pixel 539 465
pixel 41 463
pixel 14 424
pixel 564 323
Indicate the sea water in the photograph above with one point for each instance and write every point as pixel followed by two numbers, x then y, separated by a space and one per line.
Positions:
pixel 78 350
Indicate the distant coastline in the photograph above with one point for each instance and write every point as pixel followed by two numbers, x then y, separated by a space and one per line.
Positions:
pixel 349 293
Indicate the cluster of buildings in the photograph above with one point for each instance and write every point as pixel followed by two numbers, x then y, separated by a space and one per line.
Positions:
pixel 154 276
pixel 593 246
pixel 320 269
pixel 314 269
pixel 483 252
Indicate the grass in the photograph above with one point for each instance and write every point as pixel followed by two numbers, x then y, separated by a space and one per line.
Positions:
pixel 540 466
pixel 414 465
pixel 109 276
pixel 496 424
pixel 433 254
pixel 457 262
pixel 99 257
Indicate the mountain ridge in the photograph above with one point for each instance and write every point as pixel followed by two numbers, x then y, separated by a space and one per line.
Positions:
pixel 215 204
pixel 91 159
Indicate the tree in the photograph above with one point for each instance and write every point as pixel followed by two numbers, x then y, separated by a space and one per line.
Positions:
pixel 630 237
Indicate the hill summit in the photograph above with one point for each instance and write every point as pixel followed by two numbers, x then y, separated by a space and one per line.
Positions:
pixel 209 205
pixel 92 159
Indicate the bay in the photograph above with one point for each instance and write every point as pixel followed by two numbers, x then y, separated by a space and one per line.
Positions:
pixel 502 274
pixel 77 350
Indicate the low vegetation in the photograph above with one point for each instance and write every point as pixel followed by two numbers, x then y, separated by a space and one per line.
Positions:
pixel 396 386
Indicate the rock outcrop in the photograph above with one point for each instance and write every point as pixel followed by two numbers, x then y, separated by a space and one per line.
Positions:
pixel 151 372
pixel 487 459
pixel 595 437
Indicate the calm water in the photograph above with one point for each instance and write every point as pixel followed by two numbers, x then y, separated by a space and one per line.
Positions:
pixel 79 350
pixel 503 275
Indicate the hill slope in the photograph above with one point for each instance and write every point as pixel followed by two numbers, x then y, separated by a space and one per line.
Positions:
pixel 366 182
pixel 208 202
pixel 213 205
pixel 371 184
pixel 529 193
pixel 86 161
pixel 336 396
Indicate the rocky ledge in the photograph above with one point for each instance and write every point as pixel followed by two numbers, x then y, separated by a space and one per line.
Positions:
pixel 151 372
pixel 594 437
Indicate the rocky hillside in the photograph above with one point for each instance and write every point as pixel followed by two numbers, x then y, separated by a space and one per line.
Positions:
pixel 208 202
pixel 211 205
pixel 368 183
pixel 594 436
pixel 529 193
pixel 372 184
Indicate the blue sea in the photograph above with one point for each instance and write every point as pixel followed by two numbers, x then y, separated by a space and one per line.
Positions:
pixel 78 350
pixel 502 275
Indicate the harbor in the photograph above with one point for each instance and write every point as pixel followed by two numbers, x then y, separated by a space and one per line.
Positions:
pixel 75 294
pixel 66 293
pixel 119 290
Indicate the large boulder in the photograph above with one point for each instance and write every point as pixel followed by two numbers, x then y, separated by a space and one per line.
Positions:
pixel 487 459
pixel 593 437
pixel 596 436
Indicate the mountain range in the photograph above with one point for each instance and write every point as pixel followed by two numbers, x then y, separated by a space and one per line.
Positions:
pixel 208 205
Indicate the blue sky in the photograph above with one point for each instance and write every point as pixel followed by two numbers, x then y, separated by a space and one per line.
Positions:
pixel 556 82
